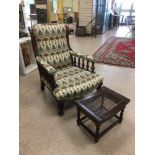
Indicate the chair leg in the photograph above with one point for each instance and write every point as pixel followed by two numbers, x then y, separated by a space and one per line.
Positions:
pixel 61 108
pixel 99 87
pixel 42 86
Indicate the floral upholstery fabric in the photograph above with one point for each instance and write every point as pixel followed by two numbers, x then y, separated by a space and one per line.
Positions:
pixel 52 44
pixel 72 82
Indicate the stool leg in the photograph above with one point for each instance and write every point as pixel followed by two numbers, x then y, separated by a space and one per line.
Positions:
pixel 97 133
pixel 121 116
pixel 78 116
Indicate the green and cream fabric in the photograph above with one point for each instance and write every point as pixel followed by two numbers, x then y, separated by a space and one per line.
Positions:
pixel 43 32
pixel 46 65
pixel 55 57
pixel 72 82
pixel 52 44
pixel 57 61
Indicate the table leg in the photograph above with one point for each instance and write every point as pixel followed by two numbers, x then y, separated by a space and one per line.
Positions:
pixel 78 116
pixel 97 132
pixel 121 116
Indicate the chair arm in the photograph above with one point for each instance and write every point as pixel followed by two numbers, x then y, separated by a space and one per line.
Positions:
pixel 86 57
pixel 46 73
pixel 85 61
pixel 46 65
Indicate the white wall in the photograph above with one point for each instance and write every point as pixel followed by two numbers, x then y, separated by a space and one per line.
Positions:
pixel 68 3
pixel 75 5
pixel 71 3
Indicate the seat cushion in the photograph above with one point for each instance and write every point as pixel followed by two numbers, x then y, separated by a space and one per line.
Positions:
pixel 73 82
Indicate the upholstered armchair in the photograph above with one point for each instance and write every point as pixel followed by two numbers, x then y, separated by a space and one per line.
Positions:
pixel 67 74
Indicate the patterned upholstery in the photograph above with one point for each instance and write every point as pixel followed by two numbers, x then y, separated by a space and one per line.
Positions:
pixel 52 44
pixel 73 82
pixel 55 57
pixel 46 65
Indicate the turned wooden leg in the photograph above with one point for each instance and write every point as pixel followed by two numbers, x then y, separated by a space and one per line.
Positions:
pixel 97 133
pixel 93 67
pixel 61 108
pixel 78 116
pixel 121 116
pixel 42 86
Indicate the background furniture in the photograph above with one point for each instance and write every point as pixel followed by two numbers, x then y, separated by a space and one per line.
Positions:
pixel 41 11
pixel 99 108
pixel 65 73
pixel 27 61
pixel 98 9
pixel 33 17
pixel 21 18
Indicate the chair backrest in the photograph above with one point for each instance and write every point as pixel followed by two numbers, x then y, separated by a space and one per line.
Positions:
pixel 51 44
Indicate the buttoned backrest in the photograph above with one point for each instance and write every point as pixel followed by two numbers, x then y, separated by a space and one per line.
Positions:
pixel 52 44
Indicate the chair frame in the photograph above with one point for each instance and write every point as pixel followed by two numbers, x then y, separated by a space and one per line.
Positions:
pixel 80 62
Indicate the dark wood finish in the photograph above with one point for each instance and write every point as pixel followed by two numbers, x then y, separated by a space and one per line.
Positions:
pixel 99 108
pixel 41 16
pixel 42 85
pixel 93 67
pixel 34 44
pixel 61 108
pixel 78 61
pixel 87 65
pixel 21 17
pixel 74 62
pixel 83 64
pixel 67 36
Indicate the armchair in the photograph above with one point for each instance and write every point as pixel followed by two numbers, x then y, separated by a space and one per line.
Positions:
pixel 66 74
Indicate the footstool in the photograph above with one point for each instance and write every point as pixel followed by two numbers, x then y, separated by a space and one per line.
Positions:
pixel 99 107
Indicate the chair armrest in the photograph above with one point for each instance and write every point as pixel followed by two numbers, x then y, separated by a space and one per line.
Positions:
pixel 46 73
pixel 82 61
pixel 46 65
pixel 86 57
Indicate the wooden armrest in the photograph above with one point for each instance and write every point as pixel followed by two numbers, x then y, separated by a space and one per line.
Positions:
pixel 87 57
pixel 82 61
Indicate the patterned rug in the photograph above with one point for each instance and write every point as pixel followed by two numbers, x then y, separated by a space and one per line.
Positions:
pixel 117 51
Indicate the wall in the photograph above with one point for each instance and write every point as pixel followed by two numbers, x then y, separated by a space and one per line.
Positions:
pixel 75 5
pixel 71 3
pixel 67 3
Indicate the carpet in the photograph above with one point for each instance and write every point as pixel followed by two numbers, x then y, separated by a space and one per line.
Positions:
pixel 117 51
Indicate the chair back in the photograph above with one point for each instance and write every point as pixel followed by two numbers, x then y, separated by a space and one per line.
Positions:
pixel 51 43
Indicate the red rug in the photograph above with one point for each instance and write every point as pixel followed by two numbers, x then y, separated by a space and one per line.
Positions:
pixel 117 51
